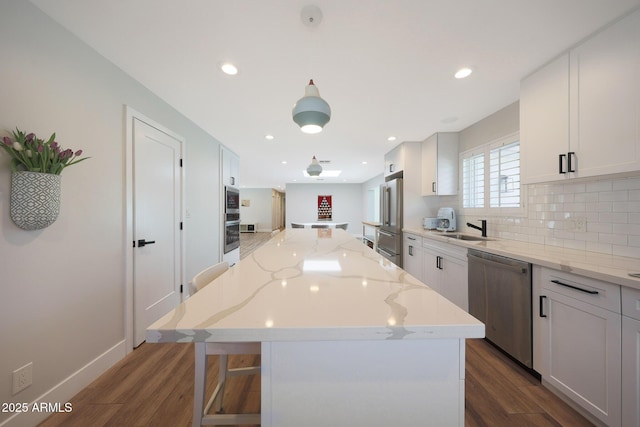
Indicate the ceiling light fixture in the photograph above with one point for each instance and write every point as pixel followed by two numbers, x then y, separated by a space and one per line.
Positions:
pixel 314 169
pixel 229 68
pixel 462 73
pixel 391 138
pixel 311 112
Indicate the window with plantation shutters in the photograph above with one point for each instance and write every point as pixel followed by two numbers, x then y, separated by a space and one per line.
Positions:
pixel 504 176
pixel 491 176
pixel 473 181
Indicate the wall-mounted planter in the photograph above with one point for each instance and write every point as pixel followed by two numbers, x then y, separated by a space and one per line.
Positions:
pixel 35 199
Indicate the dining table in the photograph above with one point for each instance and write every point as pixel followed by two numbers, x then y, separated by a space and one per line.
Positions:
pixel 347 337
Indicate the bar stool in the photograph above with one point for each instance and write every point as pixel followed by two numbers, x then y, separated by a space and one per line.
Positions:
pixel 201 414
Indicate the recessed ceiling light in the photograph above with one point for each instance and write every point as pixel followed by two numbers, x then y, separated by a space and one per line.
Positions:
pixel 284 162
pixel 364 163
pixel 463 72
pixel 229 68
pixel 269 137
pixel 391 138
pixel 448 120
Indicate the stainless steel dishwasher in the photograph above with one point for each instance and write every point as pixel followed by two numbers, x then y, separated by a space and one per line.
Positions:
pixel 500 297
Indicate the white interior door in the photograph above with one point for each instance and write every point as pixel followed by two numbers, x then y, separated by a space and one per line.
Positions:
pixel 156 225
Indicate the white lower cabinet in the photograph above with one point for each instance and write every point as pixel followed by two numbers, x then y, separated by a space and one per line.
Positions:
pixel 577 340
pixel 630 357
pixel 412 256
pixel 445 270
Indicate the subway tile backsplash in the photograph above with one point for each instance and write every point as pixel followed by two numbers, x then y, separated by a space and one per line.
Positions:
pixel 602 215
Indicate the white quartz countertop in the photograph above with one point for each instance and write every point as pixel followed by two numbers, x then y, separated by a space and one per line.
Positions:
pixel 610 268
pixel 313 285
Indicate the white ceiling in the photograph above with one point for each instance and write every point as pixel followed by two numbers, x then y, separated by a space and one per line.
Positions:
pixel 385 67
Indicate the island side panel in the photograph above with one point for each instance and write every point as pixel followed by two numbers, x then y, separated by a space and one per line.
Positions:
pixel 363 383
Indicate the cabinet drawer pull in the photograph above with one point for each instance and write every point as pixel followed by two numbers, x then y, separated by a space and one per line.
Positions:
pixel 433 187
pixel 542 298
pixel 411 238
pixel 570 155
pixel 586 291
pixel 439 262
pixel 410 250
pixel 560 157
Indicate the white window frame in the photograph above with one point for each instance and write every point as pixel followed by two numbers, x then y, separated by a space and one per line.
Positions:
pixel 487 210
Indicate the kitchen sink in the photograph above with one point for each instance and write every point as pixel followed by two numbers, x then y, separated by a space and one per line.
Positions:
pixel 468 237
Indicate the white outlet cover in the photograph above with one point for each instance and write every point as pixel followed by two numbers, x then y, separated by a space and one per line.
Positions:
pixel 22 377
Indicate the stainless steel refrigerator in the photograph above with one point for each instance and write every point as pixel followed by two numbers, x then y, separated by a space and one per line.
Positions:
pixel 390 235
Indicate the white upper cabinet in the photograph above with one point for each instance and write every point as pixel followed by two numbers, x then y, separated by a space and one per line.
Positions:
pixel 580 114
pixel 440 165
pixel 230 168
pixel 394 160
pixel 605 111
pixel 544 121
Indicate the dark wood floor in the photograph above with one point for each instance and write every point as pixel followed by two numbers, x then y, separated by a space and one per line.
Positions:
pixel 153 386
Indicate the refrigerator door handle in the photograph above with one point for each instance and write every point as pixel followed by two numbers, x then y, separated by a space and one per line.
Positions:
pixel 386 208
pixel 384 233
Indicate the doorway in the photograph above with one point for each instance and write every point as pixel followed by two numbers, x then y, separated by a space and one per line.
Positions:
pixel 154 258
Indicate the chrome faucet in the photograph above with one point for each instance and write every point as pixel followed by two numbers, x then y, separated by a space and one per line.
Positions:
pixel 483 228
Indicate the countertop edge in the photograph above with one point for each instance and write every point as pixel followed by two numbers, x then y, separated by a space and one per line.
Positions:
pixel 453 331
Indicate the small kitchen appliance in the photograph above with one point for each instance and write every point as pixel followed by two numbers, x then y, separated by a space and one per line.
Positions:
pixel 446 219
pixel 429 223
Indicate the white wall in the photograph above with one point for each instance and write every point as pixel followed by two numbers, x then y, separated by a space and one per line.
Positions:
pixel 302 203
pixel 260 211
pixel 63 295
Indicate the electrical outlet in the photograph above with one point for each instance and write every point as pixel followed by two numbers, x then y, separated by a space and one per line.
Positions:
pixel 22 377
pixel 580 224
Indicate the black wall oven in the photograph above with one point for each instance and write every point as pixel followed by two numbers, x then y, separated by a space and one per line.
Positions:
pixel 231 232
pixel 232 201
pixel 231 218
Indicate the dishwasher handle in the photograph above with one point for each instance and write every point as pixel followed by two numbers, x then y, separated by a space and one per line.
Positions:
pixel 515 268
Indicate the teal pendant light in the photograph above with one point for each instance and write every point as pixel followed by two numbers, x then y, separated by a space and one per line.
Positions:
pixel 311 112
pixel 314 168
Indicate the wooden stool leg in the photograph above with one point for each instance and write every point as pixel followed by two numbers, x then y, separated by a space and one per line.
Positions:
pixel 200 381
pixel 222 381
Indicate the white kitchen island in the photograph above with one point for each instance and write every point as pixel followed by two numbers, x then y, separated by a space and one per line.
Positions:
pixel 348 338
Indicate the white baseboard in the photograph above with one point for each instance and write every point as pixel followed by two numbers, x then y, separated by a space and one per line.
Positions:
pixel 69 387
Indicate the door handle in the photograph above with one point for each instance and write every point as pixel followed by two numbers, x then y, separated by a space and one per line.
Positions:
pixel 433 187
pixel 143 242
pixel 410 250
pixel 560 156
pixel 439 262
